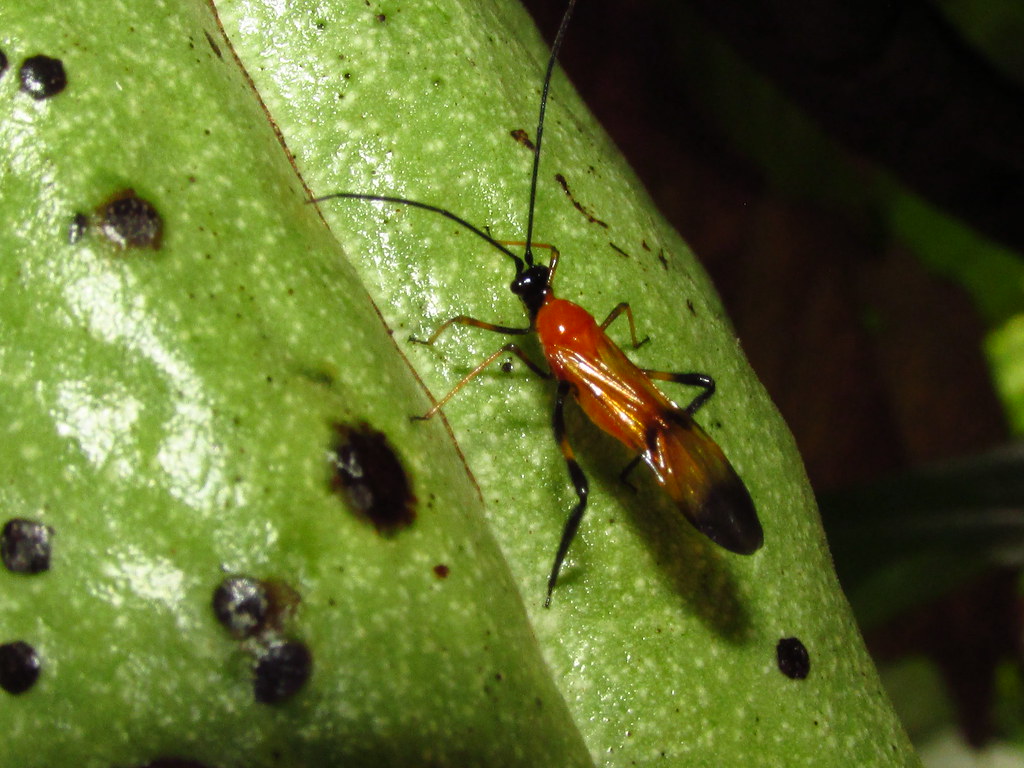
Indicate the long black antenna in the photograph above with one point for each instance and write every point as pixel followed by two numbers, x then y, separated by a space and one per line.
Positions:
pixel 555 46
pixel 427 207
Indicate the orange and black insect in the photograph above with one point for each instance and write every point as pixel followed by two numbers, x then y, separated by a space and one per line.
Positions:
pixel 615 394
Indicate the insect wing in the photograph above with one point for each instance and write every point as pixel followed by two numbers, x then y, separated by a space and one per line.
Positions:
pixel 613 392
pixel 691 467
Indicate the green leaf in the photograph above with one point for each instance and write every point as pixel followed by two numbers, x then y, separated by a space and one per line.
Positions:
pixel 171 414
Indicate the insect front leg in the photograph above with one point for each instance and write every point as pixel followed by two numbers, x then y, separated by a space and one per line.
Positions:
pixel 510 347
pixel 579 483
pixel 701 380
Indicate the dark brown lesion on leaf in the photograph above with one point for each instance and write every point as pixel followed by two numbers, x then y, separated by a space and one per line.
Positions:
pixel 249 607
pixel 523 138
pixel 368 473
pixel 564 184
pixel 129 221
pixel 254 611
pixel 618 250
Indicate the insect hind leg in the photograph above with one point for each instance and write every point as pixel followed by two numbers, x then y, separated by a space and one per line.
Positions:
pixel 701 380
pixel 579 483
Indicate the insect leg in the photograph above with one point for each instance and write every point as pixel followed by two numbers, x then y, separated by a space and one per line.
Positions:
pixel 472 321
pixel 510 347
pixel 623 306
pixel 701 380
pixel 579 482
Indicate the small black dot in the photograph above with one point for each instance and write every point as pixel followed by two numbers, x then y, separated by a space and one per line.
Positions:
pixel 793 659
pixel 282 671
pixel 3 63
pixel 42 77
pixel 19 667
pixel 242 605
pixel 25 546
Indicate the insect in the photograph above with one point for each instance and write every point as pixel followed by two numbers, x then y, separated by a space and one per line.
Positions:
pixel 614 393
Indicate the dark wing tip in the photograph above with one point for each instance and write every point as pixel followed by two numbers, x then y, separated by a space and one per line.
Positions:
pixel 728 518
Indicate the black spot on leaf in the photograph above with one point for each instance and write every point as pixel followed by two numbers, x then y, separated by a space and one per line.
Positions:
pixel 19 667
pixel 792 657
pixel 246 606
pixel 241 605
pixel 366 469
pixel 281 671
pixel 25 546
pixel 129 221
pixel 42 77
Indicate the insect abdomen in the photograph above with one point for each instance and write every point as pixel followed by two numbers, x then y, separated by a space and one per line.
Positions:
pixel 698 477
